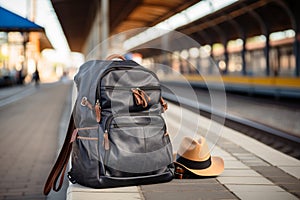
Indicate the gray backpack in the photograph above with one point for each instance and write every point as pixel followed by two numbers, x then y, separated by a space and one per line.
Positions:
pixel 118 135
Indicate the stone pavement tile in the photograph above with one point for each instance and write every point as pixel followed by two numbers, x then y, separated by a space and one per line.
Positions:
pixel 254 188
pixel 269 171
pixel 293 170
pixel 246 157
pixel 281 178
pixel 284 180
pixel 293 188
pixel 244 180
pixel 29 197
pixel 239 172
pixel 265 195
pixel 260 192
pixel 207 188
pixel 251 163
pixel 78 192
pixel 98 196
pixel 234 164
pixel 190 195
pixel 13 184
pixel 265 152
pixel 80 188
pixel 220 152
pixel 236 149
pixel 14 193
pixel 225 158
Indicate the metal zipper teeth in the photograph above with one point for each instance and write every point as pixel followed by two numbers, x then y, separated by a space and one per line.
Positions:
pixel 128 88
pixel 124 125
pixel 135 67
pixel 111 117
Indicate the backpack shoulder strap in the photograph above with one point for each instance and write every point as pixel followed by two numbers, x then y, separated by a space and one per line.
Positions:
pixel 61 163
pixel 113 56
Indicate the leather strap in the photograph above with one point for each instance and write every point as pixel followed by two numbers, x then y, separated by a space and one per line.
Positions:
pixel 61 163
pixel 141 98
pixel 179 171
pixel 164 104
pixel 182 173
pixel 113 56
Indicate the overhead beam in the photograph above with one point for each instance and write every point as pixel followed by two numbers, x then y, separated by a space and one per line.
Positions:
pixel 222 18
pixel 128 8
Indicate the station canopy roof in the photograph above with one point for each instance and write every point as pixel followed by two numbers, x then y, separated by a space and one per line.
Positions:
pixel 13 22
pixel 77 16
pixel 243 18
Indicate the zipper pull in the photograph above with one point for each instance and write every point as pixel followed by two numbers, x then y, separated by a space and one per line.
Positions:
pixel 140 96
pixel 106 141
pixel 85 102
pixel 98 111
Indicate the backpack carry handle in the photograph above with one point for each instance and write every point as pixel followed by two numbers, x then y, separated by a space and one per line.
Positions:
pixel 113 56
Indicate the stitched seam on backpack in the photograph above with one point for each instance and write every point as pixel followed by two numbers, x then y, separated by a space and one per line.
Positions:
pixel 87 138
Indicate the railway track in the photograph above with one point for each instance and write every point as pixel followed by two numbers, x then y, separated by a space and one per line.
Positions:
pixel 277 139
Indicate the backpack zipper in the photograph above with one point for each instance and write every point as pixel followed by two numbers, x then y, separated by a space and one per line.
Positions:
pixel 124 125
pixel 128 88
pixel 110 118
pixel 136 67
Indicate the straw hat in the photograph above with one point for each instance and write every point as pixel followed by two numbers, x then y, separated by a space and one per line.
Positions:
pixel 194 156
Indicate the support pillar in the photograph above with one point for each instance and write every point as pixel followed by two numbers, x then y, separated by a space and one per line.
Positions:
pixel 297 54
pixel 104 28
pixel 267 54
pixel 226 57
pixel 243 55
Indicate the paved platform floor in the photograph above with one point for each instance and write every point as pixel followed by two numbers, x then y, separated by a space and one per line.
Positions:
pixel 252 170
pixel 29 143
pixel 29 120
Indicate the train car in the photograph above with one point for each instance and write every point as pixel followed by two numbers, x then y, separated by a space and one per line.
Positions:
pixel 205 65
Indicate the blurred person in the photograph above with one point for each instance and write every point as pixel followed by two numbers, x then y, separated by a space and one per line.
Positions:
pixel 36 77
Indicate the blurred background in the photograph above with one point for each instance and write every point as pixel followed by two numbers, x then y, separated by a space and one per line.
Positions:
pixel 233 61
pixel 248 42
pixel 31 38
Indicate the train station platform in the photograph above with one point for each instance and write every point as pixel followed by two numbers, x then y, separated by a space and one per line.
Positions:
pixel 252 169
pixel 29 122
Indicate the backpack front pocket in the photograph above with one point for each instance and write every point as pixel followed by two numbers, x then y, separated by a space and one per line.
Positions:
pixel 85 156
pixel 136 145
pixel 130 98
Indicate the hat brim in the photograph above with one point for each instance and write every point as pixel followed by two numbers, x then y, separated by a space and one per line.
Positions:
pixel 215 169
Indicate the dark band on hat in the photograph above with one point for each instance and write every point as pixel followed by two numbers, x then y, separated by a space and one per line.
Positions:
pixel 194 164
